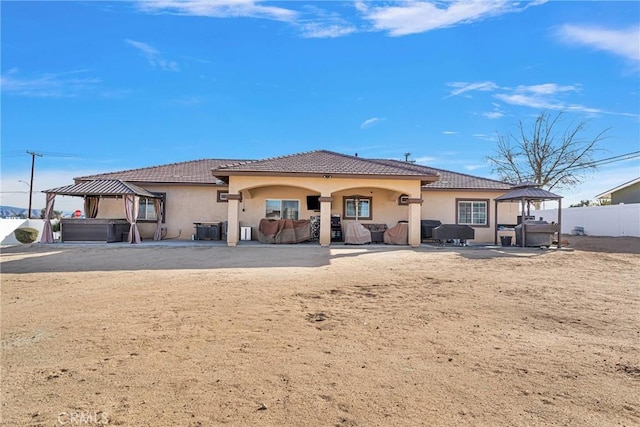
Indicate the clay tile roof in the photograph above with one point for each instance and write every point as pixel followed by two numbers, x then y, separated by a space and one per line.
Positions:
pixel 192 172
pixel 456 180
pixel 322 162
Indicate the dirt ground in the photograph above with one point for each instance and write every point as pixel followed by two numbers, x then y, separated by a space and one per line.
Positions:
pixel 304 335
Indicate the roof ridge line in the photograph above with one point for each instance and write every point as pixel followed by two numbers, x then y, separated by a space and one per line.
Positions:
pixel 458 173
pixel 266 159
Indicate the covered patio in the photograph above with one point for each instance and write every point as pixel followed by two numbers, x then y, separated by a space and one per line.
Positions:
pixel 92 192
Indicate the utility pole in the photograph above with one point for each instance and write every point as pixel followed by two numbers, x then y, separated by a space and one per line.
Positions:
pixel 33 155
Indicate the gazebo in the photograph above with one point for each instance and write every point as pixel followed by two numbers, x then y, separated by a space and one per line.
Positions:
pixel 527 193
pixel 92 192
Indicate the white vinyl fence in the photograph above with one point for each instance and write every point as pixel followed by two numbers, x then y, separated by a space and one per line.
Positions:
pixel 615 220
pixel 8 225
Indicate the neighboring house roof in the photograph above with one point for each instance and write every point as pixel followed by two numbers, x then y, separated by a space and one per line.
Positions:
pixel 191 172
pixel 322 163
pixel 607 194
pixel 101 187
pixel 455 180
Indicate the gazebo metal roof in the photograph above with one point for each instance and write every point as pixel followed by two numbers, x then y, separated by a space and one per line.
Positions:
pixel 101 187
pixel 529 191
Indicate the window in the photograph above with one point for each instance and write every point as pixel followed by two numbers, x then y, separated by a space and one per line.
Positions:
pixel 222 196
pixel 357 207
pixel 147 210
pixel 473 212
pixel 282 209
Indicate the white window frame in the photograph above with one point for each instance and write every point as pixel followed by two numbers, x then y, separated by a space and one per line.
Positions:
pixel 475 213
pixel 362 201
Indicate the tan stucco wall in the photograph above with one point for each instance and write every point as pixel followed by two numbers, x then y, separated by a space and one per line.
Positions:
pixel 325 186
pixel 185 204
pixel 441 205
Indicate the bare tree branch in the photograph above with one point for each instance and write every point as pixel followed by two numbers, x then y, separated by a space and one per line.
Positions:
pixel 543 153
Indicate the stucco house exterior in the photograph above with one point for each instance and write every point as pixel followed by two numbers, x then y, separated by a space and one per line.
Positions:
pixel 629 192
pixel 320 183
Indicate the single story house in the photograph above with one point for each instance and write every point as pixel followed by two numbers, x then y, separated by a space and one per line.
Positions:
pixel 629 192
pixel 332 187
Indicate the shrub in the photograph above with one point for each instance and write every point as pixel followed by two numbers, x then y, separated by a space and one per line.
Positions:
pixel 55 227
pixel 26 234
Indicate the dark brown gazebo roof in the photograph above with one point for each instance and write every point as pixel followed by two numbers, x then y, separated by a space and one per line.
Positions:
pixel 101 187
pixel 529 191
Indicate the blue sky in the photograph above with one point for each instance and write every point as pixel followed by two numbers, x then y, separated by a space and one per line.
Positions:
pixel 105 86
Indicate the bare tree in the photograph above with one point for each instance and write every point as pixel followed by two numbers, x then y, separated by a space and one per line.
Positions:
pixel 548 153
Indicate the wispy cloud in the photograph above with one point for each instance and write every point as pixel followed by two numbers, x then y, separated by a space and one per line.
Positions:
pixel 311 21
pixel 462 87
pixel 187 101
pixel 219 9
pixel 547 96
pixel 318 30
pixel 497 112
pixel 544 96
pixel 485 137
pixel 623 42
pixel 315 22
pixel 370 122
pixel 411 17
pixel 473 167
pixel 50 85
pixel 492 115
pixel 425 160
pixel 154 57
pixel 449 132
pixel 397 18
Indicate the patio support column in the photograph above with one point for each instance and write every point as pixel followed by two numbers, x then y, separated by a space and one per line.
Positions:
pixel 325 220
pixel 233 224
pixel 414 221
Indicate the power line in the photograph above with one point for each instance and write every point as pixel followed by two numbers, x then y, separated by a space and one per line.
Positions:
pixel 17 153
pixel 607 160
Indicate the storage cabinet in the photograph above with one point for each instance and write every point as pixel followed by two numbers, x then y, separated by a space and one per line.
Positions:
pixel 336 229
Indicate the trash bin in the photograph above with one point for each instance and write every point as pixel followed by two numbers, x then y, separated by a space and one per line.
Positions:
pixel 505 240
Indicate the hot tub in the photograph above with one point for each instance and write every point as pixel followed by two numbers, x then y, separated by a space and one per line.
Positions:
pixel 104 230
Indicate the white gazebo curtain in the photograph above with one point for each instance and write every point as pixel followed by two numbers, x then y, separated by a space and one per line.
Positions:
pixel 131 209
pixel 157 204
pixel 47 231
